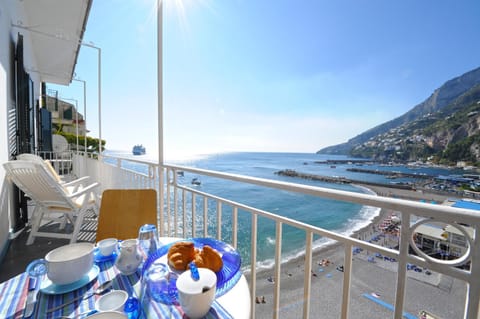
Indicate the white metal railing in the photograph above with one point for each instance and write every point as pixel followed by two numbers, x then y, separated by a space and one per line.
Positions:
pixel 179 204
pixel 61 161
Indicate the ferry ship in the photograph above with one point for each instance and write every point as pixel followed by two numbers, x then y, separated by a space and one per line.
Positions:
pixel 139 149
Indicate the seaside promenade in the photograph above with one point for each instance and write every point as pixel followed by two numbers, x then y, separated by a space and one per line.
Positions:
pixel 373 279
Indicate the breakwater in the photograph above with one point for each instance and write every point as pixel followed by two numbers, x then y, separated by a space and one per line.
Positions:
pixel 394 174
pixel 345 161
pixel 337 179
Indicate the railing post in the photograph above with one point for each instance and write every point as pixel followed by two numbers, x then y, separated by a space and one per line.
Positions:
pixel 219 220
pixel 402 265
pixel 175 206
pixel 205 216
pixel 253 264
pixel 184 212
pixel 234 227
pixel 194 210
pixel 308 275
pixel 168 199
pixel 472 301
pixel 278 265
pixel 347 277
pixel 161 197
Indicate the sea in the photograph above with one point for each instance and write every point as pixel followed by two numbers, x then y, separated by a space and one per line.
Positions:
pixel 337 216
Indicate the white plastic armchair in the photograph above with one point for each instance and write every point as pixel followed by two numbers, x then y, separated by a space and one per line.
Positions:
pixel 71 186
pixel 47 164
pixel 51 198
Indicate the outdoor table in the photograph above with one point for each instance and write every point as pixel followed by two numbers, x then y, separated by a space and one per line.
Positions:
pixel 13 294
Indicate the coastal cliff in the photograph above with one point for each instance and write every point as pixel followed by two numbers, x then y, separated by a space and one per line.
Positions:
pixel 446 122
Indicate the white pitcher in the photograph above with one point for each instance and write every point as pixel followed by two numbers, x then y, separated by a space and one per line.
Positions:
pixel 129 258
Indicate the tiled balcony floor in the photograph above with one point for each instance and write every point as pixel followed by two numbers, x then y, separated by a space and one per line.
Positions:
pixel 19 255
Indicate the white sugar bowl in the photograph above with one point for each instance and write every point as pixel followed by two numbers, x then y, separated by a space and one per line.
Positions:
pixel 196 296
pixel 112 301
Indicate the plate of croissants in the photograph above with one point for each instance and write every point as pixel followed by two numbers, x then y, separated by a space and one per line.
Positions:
pixel 210 253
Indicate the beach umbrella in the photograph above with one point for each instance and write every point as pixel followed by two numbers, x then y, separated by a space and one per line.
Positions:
pixel 396 220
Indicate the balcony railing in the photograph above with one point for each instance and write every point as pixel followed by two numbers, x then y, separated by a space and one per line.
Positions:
pixel 184 211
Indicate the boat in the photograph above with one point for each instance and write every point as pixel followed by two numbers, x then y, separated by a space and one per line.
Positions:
pixel 196 181
pixel 138 149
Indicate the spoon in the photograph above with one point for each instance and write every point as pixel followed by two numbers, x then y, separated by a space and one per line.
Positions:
pixel 194 271
pixel 100 290
pixel 87 313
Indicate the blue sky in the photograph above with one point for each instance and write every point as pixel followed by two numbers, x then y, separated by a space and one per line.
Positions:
pixel 284 75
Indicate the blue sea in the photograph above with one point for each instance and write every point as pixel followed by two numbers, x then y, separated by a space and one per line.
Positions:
pixel 341 217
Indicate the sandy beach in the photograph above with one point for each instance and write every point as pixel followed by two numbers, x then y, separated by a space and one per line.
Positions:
pixel 372 285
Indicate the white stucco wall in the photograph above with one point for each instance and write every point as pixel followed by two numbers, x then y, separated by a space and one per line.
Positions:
pixel 5 100
pixel 9 13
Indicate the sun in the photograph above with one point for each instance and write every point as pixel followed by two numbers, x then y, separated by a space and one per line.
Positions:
pixel 180 8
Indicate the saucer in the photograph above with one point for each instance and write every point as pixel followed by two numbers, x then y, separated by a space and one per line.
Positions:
pixel 49 288
pixel 99 258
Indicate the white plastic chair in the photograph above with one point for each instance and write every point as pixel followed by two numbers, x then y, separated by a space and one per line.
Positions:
pixel 73 186
pixel 52 198
pixel 46 163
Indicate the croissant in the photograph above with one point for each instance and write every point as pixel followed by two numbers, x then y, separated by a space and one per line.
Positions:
pixel 180 255
pixel 208 258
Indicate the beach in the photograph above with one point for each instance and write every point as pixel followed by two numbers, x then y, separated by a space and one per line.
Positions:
pixel 372 291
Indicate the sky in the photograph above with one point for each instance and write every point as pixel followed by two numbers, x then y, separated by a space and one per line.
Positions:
pixel 264 75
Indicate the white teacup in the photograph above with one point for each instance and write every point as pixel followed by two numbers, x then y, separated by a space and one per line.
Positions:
pixel 106 247
pixel 108 315
pixel 196 296
pixel 112 301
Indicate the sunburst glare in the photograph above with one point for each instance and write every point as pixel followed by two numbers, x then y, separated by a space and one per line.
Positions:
pixel 180 9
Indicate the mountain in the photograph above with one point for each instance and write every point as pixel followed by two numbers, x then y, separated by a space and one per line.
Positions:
pixel 454 96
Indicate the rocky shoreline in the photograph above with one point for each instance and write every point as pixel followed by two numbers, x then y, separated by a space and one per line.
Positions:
pixel 327 277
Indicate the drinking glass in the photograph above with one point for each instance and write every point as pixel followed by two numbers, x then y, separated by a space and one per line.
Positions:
pixel 157 287
pixel 147 240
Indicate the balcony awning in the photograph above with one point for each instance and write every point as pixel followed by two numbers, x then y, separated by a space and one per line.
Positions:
pixel 454 230
pixel 431 231
pixel 53 31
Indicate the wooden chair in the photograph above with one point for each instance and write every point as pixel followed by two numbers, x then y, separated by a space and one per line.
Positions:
pixel 124 211
pixel 53 200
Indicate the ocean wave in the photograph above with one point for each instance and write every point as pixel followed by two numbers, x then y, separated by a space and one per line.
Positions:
pixel 270 240
pixel 363 218
pixel 270 263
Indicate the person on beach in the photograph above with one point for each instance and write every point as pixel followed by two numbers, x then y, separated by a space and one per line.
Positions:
pixel 324 262
pixel 260 299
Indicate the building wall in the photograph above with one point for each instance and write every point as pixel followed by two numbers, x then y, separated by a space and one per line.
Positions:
pixel 65 114
pixel 9 12
pixel 5 102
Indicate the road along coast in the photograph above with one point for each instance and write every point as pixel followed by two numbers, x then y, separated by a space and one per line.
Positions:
pixel 373 284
